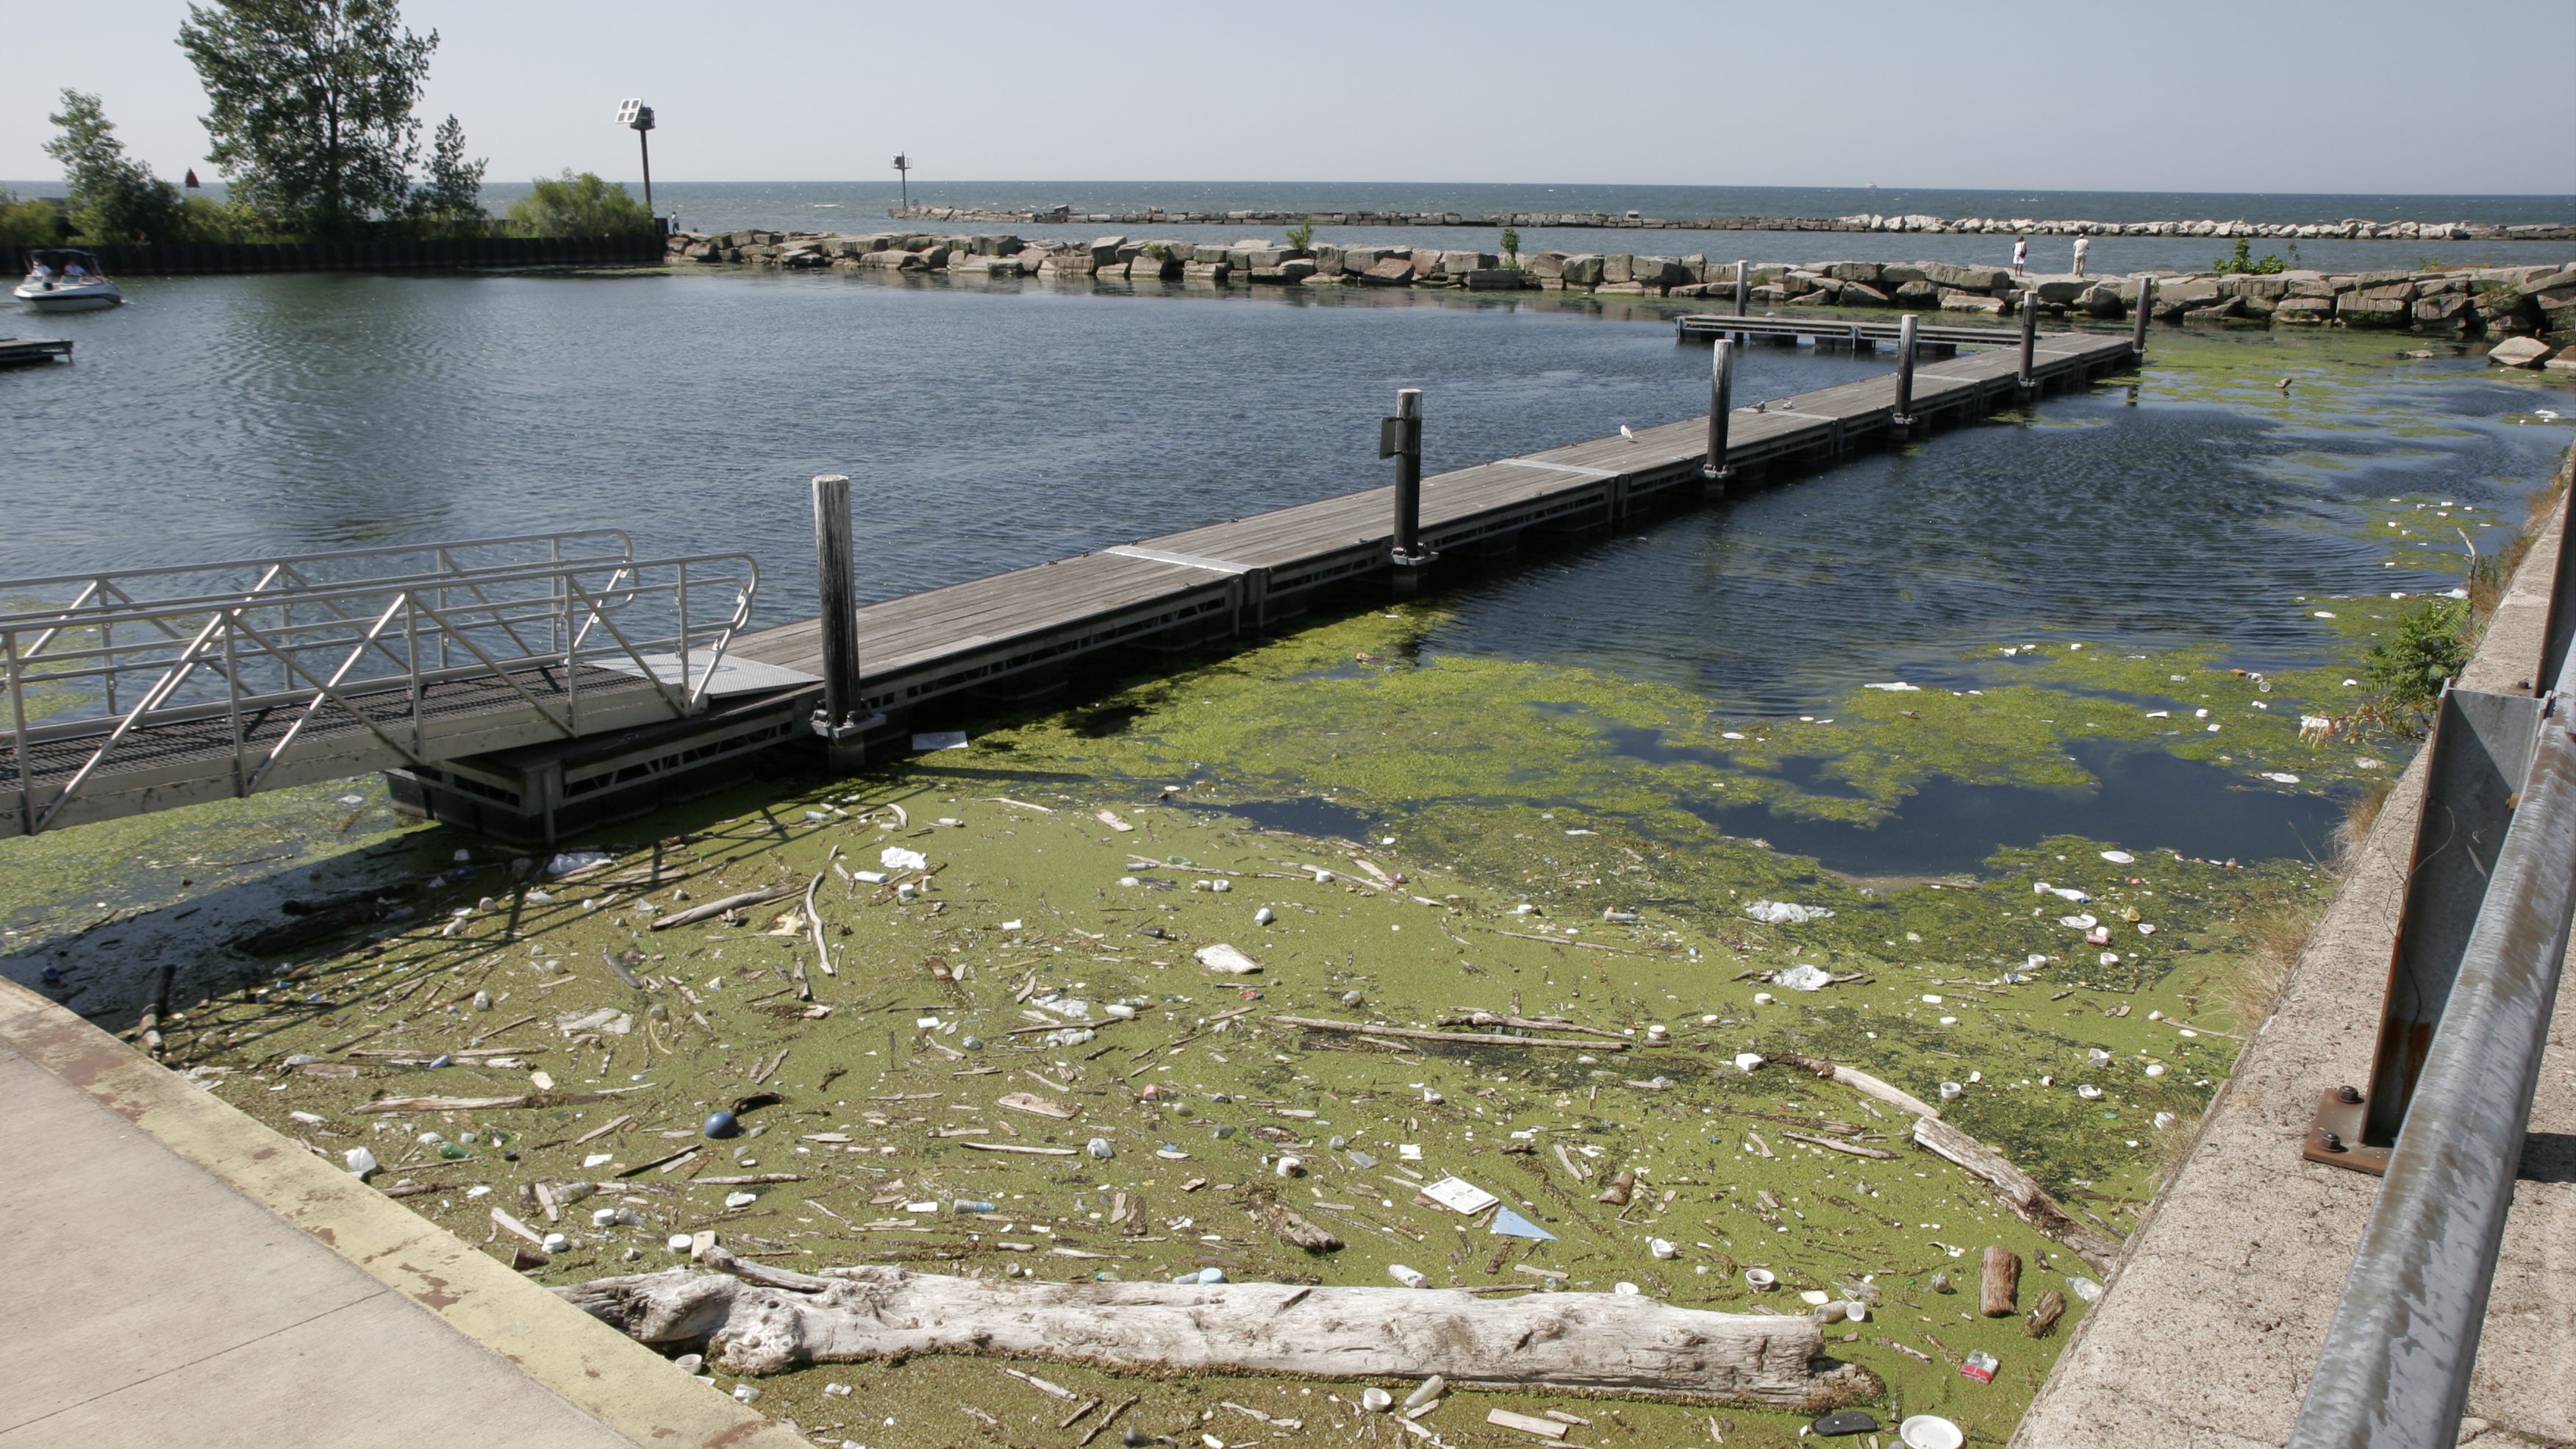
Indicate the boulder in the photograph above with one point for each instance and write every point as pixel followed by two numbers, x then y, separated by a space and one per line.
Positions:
pixel 1657 271
pixel 2376 307
pixel 2305 311
pixel 1618 267
pixel 2564 363
pixel 1917 293
pixel 2449 309
pixel 1860 294
pixel 1766 292
pixel 2552 282
pixel 1205 256
pixel 1545 264
pixel 1390 272
pixel 1211 274
pixel 2215 313
pixel 1968 279
pixel 1955 300
pixel 1459 264
pixel 1584 269
pixel 1866 273
pixel 1624 289
pixel 1496 279
pixel 1357 260
pixel 2057 289
pixel 2101 300
pixel 1147 266
pixel 1287 273
pixel 2520 352
pixel 1900 274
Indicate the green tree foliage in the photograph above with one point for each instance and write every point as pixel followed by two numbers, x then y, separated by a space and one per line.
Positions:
pixel 114 197
pixel 311 107
pixel 1511 240
pixel 28 223
pixel 1302 235
pixel 450 201
pixel 2243 261
pixel 580 205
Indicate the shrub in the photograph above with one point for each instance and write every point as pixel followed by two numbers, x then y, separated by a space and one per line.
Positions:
pixel 582 205
pixel 1302 235
pixel 2406 670
pixel 29 222
pixel 2242 261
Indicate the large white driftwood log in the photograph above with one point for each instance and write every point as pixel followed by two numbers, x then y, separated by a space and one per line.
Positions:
pixel 767 1320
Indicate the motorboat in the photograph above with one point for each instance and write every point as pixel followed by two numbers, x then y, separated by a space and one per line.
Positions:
pixel 60 279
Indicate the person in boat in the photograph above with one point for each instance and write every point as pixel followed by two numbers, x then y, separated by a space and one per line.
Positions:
pixel 41 273
pixel 73 271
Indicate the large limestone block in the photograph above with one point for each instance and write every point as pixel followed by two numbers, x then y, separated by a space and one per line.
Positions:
pixel 1584 269
pixel 1954 300
pixel 2520 352
pixel 2305 311
pixel 1657 271
pixel 1390 272
pixel 1968 279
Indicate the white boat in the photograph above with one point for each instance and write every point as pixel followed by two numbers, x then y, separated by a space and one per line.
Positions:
pixel 62 280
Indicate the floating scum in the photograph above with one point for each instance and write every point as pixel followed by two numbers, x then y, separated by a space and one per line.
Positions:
pixel 810 1085
pixel 1014 1049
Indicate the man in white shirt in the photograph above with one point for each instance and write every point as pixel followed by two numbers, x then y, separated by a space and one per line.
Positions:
pixel 2083 244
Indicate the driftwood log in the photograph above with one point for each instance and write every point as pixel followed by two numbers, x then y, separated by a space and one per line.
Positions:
pixel 752 1319
pixel 1858 1080
pixel 2026 1198
pixel 1999 1282
pixel 1463 1038
pixel 733 902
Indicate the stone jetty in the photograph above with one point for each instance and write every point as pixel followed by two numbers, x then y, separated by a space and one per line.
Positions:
pixel 2501 302
pixel 2352 229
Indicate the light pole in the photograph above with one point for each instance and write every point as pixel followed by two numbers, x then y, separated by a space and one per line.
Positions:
pixel 903 178
pixel 636 115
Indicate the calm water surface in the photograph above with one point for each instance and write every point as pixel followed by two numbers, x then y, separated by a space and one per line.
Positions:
pixel 995 427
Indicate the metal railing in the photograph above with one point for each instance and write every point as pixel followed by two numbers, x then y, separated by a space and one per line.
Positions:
pixel 238 665
pixel 2394 1369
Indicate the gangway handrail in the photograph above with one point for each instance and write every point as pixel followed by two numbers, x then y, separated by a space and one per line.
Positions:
pixel 626 548
pixel 322 662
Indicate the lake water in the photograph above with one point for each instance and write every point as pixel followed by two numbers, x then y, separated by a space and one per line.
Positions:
pixel 992 426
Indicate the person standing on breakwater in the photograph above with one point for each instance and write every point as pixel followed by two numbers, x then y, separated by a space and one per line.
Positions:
pixel 2083 244
pixel 2021 255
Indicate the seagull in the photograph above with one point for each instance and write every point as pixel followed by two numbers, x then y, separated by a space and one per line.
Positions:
pixel 1626 433
pixel 2285 384
pixel 2545 415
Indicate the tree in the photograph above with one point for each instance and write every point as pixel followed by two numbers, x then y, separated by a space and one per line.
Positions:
pixel 114 198
pixel 451 200
pixel 312 106
pixel 1511 247
pixel 580 205
pixel 29 222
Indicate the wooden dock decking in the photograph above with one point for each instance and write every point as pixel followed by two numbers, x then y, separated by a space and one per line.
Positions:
pixel 15 351
pixel 1014 632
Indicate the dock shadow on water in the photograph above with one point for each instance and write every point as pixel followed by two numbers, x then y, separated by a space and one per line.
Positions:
pixel 2143 798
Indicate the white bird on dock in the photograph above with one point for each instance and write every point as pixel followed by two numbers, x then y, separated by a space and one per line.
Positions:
pixel 1625 433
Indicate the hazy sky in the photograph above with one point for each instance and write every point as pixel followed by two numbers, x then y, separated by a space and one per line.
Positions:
pixel 2475 96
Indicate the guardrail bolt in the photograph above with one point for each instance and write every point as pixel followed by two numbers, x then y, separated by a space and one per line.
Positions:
pixel 2349 1096
pixel 2330 1141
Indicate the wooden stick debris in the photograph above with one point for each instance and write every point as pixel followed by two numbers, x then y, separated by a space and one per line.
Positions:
pixel 1998 1282
pixel 1466 1038
pixel 718 907
pixel 2026 1198
pixel 1107 1419
pixel 1852 1148
pixel 1858 1081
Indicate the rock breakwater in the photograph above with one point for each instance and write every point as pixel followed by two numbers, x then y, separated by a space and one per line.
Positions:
pixel 2350 229
pixel 2525 301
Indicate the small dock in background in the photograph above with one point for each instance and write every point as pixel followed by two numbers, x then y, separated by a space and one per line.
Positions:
pixel 22 351
pixel 1016 634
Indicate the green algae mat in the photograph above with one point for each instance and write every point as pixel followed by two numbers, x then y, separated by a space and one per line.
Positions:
pixel 1046 1006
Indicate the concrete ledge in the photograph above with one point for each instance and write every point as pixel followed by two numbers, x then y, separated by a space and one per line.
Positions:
pixel 561 1365
pixel 2209 1333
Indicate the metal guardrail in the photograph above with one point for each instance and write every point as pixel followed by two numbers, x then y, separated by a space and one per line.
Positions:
pixel 2466 1047
pixel 238 665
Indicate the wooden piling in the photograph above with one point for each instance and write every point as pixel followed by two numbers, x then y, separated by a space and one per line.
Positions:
pixel 2029 339
pixel 2138 323
pixel 1743 286
pixel 836 588
pixel 1903 418
pixel 1721 395
pixel 1400 438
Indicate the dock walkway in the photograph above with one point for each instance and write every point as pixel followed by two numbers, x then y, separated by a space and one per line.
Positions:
pixel 1234 577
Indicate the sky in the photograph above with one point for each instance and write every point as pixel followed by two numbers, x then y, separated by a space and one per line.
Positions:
pixel 2265 96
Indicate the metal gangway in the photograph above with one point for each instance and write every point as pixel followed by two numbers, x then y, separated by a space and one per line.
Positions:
pixel 128 691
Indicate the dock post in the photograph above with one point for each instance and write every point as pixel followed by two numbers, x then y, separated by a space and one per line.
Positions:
pixel 1721 402
pixel 1743 286
pixel 2029 340
pixel 842 722
pixel 1901 421
pixel 2138 324
pixel 1400 438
